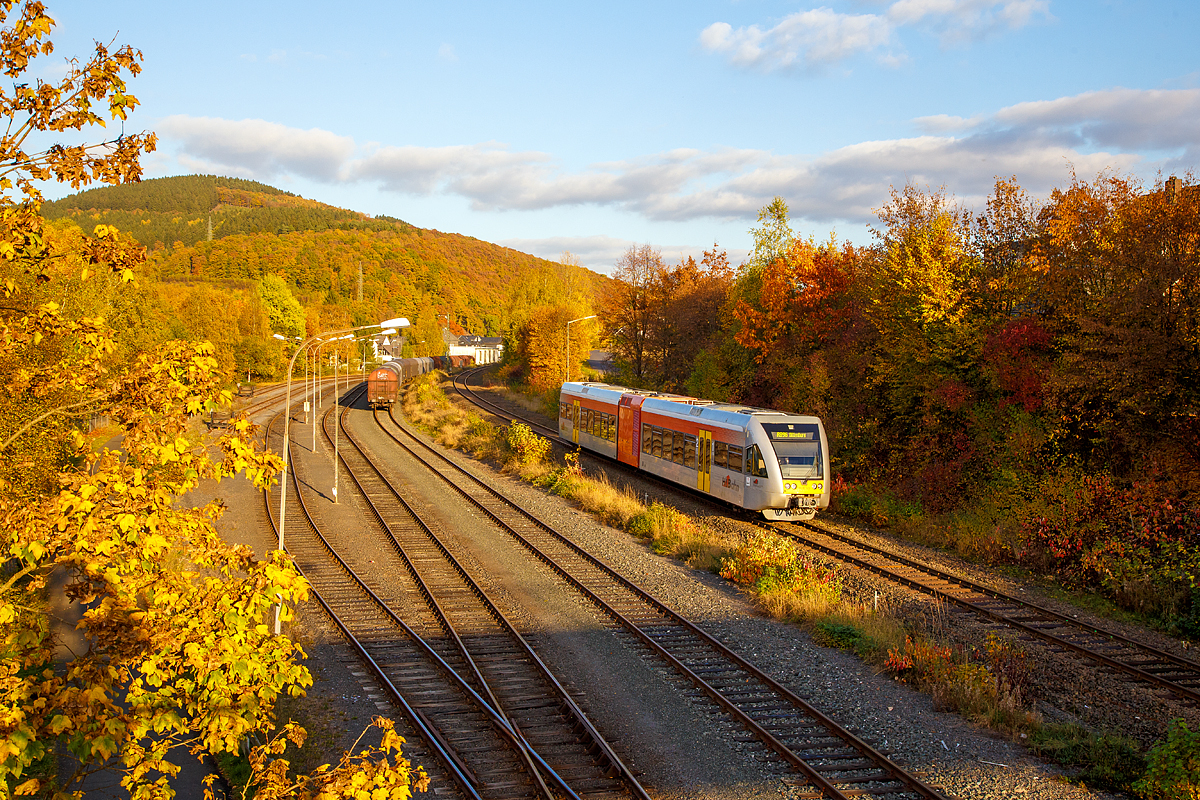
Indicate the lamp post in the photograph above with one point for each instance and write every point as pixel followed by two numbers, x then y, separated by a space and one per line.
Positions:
pixel 581 319
pixel 398 322
pixel 319 388
pixel 283 338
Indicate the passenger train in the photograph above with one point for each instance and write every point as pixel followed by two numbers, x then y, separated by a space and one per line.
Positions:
pixel 755 458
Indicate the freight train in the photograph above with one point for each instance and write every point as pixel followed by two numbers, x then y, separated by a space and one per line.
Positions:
pixel 383 384
pixel 754 458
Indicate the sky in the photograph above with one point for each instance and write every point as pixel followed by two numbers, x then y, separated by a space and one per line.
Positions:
pixel 590 128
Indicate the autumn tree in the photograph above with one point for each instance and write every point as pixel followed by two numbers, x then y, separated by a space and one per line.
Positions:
pixel 686 308
pixel 1122 271
pixel 541 346
pixel 626 309
pixel 1004 237
pixel 772 237
pixel 283 310
pixel 178 655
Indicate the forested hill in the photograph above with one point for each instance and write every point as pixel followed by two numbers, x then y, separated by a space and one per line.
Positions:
pixel 163 211
pixel 339 264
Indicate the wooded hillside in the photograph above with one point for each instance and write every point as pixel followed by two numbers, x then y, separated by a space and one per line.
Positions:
pixel 213 239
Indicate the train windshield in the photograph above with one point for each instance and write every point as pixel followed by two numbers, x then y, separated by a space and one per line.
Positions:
pixel 798 448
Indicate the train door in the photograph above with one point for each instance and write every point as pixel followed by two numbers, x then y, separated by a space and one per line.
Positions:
pixel 704 461
pixel 575 421
pixel 629 429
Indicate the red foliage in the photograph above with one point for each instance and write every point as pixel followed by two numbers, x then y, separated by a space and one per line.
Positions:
pixel 1100 534
pixel 952 394
pixel 1016 356
pixel 805 296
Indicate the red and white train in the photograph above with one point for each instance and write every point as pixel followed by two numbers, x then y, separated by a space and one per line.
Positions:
pixel 755 458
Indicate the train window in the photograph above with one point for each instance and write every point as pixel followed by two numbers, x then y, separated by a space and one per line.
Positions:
pixel 719 450
pixel 678 443
pixel 612 428
pixel 666 445
pixel 755 465
pixel 646 438
pixel 689 452
pixel 734 460
pixel 564 410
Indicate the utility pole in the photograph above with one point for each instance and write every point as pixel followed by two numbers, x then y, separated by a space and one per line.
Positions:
pixel 360 281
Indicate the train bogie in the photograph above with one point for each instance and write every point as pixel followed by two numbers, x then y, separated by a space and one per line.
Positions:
pixel 757 459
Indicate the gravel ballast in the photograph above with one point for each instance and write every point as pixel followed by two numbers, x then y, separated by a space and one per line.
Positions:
pixel 678 744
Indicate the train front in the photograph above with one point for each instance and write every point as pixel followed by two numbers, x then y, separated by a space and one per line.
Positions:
pixel 788 467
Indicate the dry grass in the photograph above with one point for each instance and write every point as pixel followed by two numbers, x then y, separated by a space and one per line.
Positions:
pixel 615 507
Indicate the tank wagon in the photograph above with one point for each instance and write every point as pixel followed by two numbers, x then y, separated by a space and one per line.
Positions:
pixel 755 458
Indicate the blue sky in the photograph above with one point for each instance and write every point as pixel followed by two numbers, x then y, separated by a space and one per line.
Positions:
pixel 558 126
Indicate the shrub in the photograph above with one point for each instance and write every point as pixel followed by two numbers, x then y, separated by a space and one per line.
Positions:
pixel 829 633
pixel 1135 544
pixel 1173 766
pixel 1106 761
pixel 1010 664
pixel 527 447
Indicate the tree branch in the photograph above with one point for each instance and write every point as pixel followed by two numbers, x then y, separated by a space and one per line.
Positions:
pixel 64 410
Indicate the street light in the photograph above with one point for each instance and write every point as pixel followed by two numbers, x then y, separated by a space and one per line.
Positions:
pixel 320 389
pixel 397 322
pixel 336 427
pixel 581 319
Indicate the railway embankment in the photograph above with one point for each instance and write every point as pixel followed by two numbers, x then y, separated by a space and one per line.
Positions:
pixel 1058 704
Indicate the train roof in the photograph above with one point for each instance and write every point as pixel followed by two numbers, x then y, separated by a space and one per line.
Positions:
pixel 680 405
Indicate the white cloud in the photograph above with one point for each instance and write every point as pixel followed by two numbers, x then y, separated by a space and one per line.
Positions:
pixel 805 40
pixel 1121 129
pixel 257 147
pixel 600 253
pixel 446 53
pixel 813 39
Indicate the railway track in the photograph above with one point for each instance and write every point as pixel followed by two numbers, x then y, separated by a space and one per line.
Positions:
pixel 501 665
pixel 477 747
pixel 830 760
pixel 1110 651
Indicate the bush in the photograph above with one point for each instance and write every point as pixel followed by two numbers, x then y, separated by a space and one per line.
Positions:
pixel 860 501
pixel 841 635
pixel 1106 761
pixel 1135 544
pixel 528 448
pixel 1173 766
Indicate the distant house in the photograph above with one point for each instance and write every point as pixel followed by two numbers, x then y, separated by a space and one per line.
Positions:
pixel 484 349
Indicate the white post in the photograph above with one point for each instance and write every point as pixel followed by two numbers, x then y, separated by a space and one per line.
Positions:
pixel 316 385
pixel 287 418
pixel 336 425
